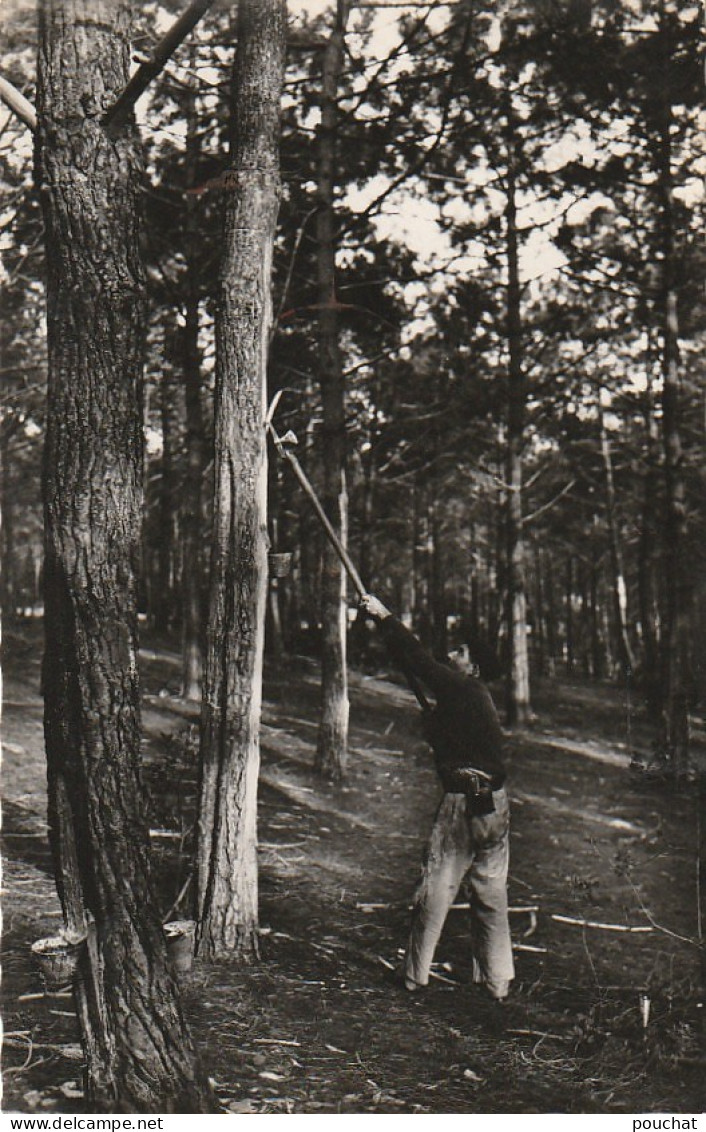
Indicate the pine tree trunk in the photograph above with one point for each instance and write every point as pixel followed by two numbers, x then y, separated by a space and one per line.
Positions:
pixel 274 636
pixel 518 684
pixel 227 842
pixel 584 582
pixel 359 629
pixel 647 589
pixel 309 582
pixel 569 607
pixel 191 510
pixel 597 644
pixel 474 616
pixel 332 741
pixel 8 561
pixel 675 660
pixel 365 563
pixel 497 603
pixel 416 579
pixel 540 656
pixel 551 622
pixel 618 586
pixel 139 1054
pixel 162 603
pixel 436 582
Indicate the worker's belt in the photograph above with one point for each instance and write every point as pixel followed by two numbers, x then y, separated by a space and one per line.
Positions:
pixel 477 785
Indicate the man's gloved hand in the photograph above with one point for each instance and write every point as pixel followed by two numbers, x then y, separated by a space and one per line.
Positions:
pixel 373 607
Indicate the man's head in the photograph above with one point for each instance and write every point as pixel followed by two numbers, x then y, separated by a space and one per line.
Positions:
pixel 476 657
pixel 460 659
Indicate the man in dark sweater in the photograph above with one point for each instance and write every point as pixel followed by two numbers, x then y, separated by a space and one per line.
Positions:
pixel 471 828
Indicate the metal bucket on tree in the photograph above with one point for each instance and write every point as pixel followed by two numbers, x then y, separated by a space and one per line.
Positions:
pixel 57 958
pixel 181 937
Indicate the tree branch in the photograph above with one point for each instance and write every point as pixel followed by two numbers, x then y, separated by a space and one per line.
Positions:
pixel 149 70
pixel 20 106
pixel 545 506
pixel 438 137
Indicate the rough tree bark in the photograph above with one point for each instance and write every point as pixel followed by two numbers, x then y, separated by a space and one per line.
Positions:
pixel 139 1054
pixel 332 740
pixel 227 846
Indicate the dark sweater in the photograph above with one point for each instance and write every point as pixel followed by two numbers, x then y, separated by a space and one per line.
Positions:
pixel 463 729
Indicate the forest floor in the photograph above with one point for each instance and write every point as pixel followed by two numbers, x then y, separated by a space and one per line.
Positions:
pixel 319 1023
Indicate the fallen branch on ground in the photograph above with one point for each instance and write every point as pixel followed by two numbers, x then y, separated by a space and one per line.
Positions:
pixel 276 1042
pixel 72 1051
pixel 44 994
pixel 284 845
pixel 442 978
pixel 530 910
pixel 602 927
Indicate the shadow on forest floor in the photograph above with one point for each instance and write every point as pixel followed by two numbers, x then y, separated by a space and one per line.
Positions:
pixel 318 1024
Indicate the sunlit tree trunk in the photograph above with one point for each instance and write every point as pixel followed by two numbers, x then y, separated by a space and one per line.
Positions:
pixel 191 509
pixel 569 614
pixel 518 684
pixel 138 1052
pixel 227 841
pixel 332 741
pixel 618 586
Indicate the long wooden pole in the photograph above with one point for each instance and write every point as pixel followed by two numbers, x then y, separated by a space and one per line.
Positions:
pixel 17 102
pixel 284 451
pixel 333 538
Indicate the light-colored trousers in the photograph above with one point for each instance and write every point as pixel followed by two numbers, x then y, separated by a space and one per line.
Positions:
pixel 479 846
